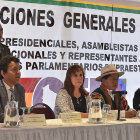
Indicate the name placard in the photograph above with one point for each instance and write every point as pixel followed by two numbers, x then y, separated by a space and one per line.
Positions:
pixel 34 120
pixel 74 117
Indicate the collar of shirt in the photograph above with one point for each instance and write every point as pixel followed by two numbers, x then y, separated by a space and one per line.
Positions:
pixel 110 93
pixel 8 91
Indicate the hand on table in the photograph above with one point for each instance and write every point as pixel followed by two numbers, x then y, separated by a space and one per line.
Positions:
pixel 84 115
pixel 130 113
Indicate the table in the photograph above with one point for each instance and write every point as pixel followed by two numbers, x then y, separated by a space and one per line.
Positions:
pixel 55 130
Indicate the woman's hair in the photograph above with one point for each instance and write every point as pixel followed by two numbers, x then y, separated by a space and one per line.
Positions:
pixel 68 84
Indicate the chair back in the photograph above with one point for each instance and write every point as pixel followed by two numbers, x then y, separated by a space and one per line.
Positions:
pixel 43 109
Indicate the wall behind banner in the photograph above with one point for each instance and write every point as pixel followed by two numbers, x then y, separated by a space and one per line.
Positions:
pixel 49 37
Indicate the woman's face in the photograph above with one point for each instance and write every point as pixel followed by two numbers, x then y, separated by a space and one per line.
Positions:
pixel 77 79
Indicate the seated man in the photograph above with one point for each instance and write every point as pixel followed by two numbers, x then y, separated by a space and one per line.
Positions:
pixel 109 81
pixel 10 89
pixel 136 100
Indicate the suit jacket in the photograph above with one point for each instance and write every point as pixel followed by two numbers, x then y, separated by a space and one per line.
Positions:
pixel 136 100
pixel 4 50
pixel 19 92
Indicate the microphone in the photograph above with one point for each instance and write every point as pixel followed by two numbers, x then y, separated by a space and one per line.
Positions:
pixel 119 92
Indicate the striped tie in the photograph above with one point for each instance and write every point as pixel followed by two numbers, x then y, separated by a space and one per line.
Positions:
pixel 12 94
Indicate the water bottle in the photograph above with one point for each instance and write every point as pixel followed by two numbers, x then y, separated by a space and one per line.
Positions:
pixel 95 113
pixel 11 114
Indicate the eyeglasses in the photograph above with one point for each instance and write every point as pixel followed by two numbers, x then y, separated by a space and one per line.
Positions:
pixel 16 69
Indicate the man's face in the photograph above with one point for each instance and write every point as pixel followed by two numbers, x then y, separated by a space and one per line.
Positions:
pixel 111 82
pixel 1 32
pixel 12 76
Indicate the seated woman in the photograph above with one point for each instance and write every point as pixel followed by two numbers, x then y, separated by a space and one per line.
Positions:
pixel 73 97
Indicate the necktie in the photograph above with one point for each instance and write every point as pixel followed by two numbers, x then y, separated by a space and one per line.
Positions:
pixel 12 94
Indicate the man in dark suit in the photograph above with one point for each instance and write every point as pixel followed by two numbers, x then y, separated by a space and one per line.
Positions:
pixel 4 50
pixel 9 79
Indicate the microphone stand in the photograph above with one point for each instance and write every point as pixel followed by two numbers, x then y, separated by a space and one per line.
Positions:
pixel 119 93
pixel 119 106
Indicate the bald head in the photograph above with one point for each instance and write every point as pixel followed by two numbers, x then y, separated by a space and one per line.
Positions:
pixel 1 32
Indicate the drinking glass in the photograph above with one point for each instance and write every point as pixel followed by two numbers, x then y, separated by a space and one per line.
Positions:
pixel 22 117
pixel 106 109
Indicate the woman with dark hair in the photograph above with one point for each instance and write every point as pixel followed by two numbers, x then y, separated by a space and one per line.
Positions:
pixel 73 97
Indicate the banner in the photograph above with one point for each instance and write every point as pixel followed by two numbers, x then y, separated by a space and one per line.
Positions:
pixel 49 36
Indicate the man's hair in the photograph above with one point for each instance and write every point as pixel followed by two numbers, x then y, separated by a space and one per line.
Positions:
pixel 106 77
pixel 5 61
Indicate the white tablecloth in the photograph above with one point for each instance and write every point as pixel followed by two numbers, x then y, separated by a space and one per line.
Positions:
pixel 56 130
